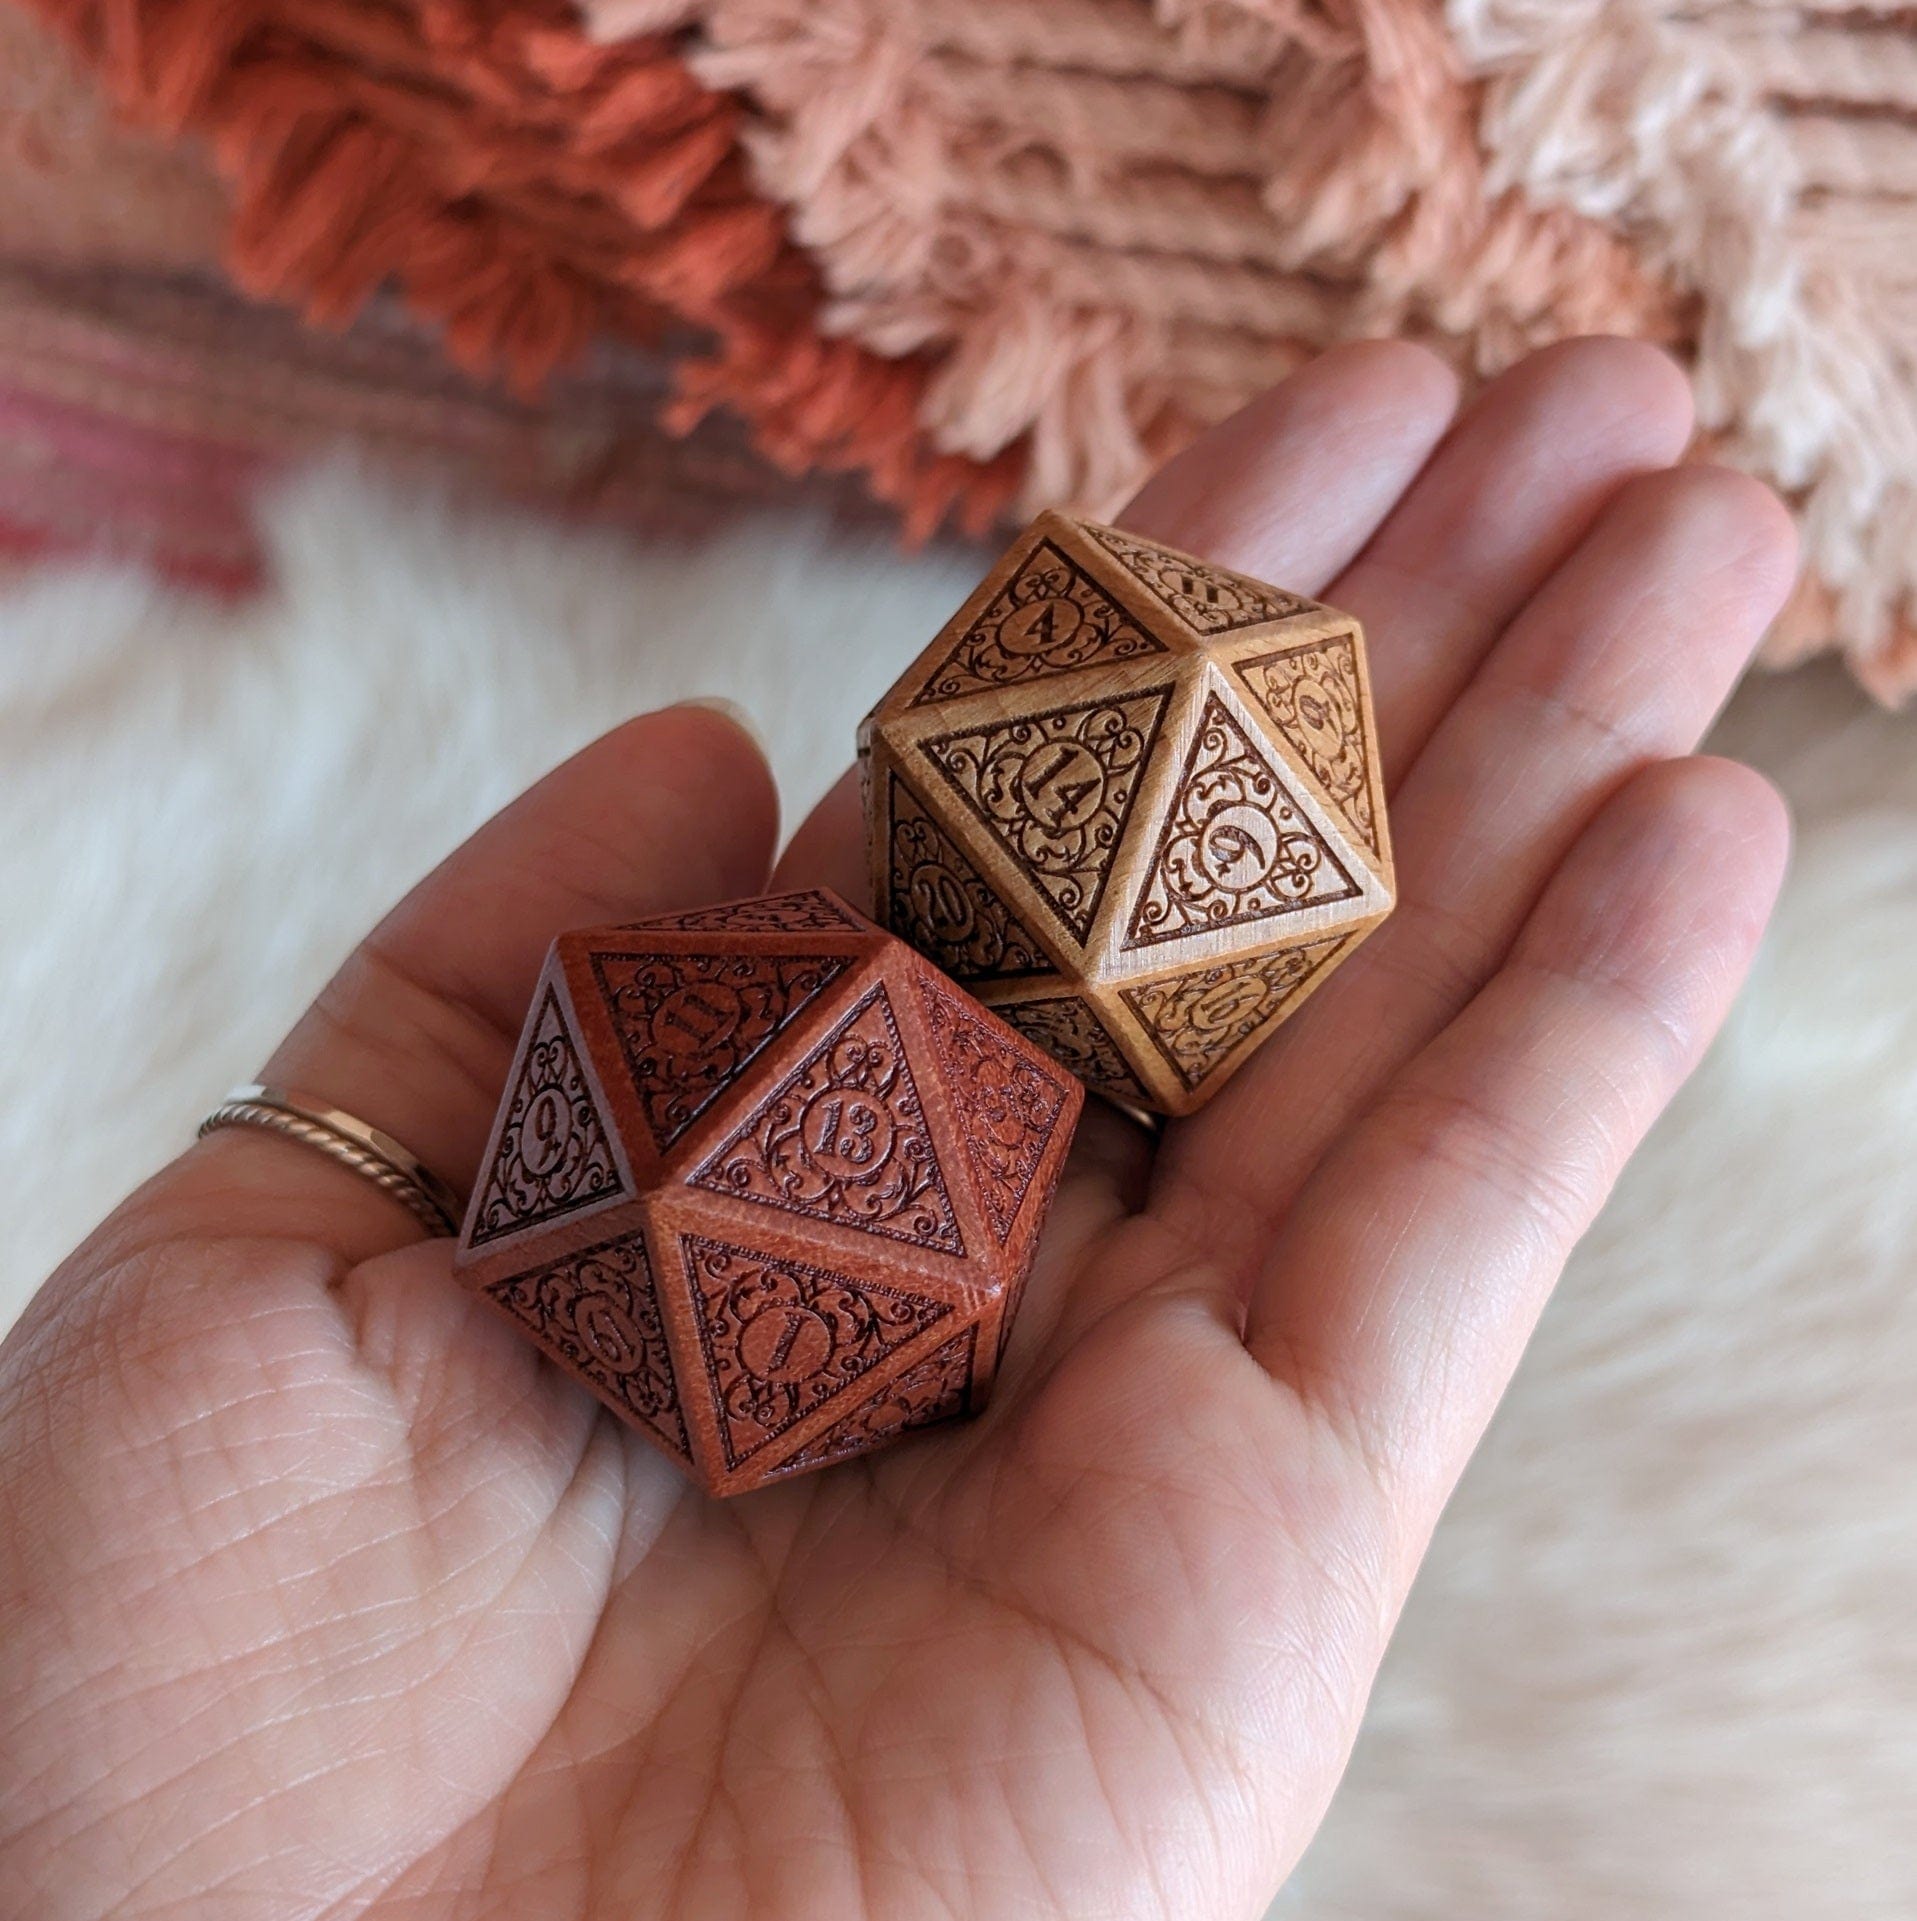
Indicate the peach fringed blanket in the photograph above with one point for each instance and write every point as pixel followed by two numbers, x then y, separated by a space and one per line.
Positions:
pixel 993 253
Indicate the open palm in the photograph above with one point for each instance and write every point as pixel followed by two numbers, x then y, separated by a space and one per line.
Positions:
pixel 320 1595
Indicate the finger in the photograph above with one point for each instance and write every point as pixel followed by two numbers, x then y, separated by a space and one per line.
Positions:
pixel 1512 490
pixel 1294 487
pixel 1400 1290
pixel 1291 486
pixel 829 848
pixel 1623 658
pixel 416 1032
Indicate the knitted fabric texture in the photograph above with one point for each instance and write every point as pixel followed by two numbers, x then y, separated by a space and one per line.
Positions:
pixel 990 254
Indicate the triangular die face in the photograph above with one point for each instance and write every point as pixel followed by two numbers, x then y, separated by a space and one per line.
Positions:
pixel 690 1024
pixel 1198 1020
pixel 1314 696
pixel 554 1155
pixel 781 1338
pixel 1008 1105
pixel 844 1139
pixel 1051 617
pixel 1209 600
pixel 1055 790
pixel 810 912
pixel 1236 846
pixel 939 903
pixel 598 1311
pixel 929 1391
pixel 1067 1029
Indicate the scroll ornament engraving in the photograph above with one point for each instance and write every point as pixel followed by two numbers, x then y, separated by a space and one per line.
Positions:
pixel 844 1138
pixel 1068 1030
pixel 598 1310
pixel 1199 1019
pixel 782 1338
pixel 1235 846
pixel 1056 790
pixel 1313 699
pixel 1008 1103
pixel 689 1023
pixel 939 903
pixel 1210 600
pixel 808 912
pixel 553 1154
pixel 930 1390
pixel 1049 618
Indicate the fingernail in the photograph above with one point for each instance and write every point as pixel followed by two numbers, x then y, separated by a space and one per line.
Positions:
pixel 718 704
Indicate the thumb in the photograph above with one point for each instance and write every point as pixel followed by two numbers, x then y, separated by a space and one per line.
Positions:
pixel 416 1032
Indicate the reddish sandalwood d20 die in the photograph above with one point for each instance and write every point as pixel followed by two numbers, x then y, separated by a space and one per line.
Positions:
pixel 767 1183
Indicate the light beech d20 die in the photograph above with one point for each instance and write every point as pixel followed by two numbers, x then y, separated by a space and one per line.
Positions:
pixel 1133 801
pixel 767 1183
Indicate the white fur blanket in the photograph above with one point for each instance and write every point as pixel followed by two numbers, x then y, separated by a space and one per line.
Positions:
pixel 1660 1664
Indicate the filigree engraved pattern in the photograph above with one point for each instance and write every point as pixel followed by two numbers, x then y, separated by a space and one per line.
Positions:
pixel 928 1391
pixel 1009 1105
pixel 688 1023
pixel 1049 618
pixel 1210 600
pixel 942 907
pixel 809 912
pixel 553 1154
pixel 1074 1036
pixel 781 1338
pixel 1198 1019
pixel 1313 699
pixel 599 1312
pixel 1056 789
pixel 1235 846
pixel 845 1139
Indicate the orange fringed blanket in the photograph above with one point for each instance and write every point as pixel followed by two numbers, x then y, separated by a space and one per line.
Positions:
pixel 524 190
pixel 999 253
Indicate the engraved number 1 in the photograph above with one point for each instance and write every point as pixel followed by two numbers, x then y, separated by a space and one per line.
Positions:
pixel 787 1341
pixel 827 1138
pixel 1063 796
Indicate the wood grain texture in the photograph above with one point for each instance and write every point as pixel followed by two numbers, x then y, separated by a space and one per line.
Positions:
pixel 1133 801
pixel 767 1183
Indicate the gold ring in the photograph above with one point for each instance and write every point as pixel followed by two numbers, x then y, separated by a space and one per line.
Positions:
pixel 343 1137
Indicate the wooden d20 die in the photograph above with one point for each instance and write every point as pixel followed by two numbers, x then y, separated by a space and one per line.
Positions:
pixel 1133 801
pixel 767 1183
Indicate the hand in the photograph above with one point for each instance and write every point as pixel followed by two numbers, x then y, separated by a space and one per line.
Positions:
pixel 321 1595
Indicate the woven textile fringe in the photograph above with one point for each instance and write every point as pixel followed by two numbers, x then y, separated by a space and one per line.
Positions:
pixel 1108 279
pixel 998 253
pixel 1803 368
pixel 525 190
pixel 1109 224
